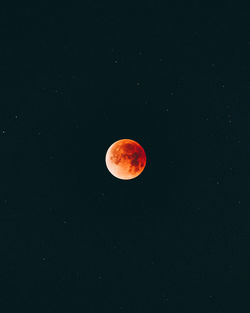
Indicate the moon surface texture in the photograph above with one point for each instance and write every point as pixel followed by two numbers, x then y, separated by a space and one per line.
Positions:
pixel 125 159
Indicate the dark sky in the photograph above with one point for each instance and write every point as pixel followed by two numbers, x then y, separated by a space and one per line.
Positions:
pixel 74 79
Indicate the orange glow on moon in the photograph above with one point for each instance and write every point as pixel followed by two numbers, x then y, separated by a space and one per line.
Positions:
pixel 125 159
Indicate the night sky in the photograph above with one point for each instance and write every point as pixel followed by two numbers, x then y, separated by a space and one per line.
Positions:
pixel 75 79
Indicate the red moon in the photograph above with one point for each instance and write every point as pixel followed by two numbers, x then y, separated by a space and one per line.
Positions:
pixel 125 159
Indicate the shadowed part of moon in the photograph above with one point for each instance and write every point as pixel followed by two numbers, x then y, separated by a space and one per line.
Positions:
pixel 125 159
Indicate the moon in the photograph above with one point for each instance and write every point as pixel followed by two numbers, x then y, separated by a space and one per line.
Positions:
pixel 125 159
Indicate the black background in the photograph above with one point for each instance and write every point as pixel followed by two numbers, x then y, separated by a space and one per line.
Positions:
pixel 74 79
